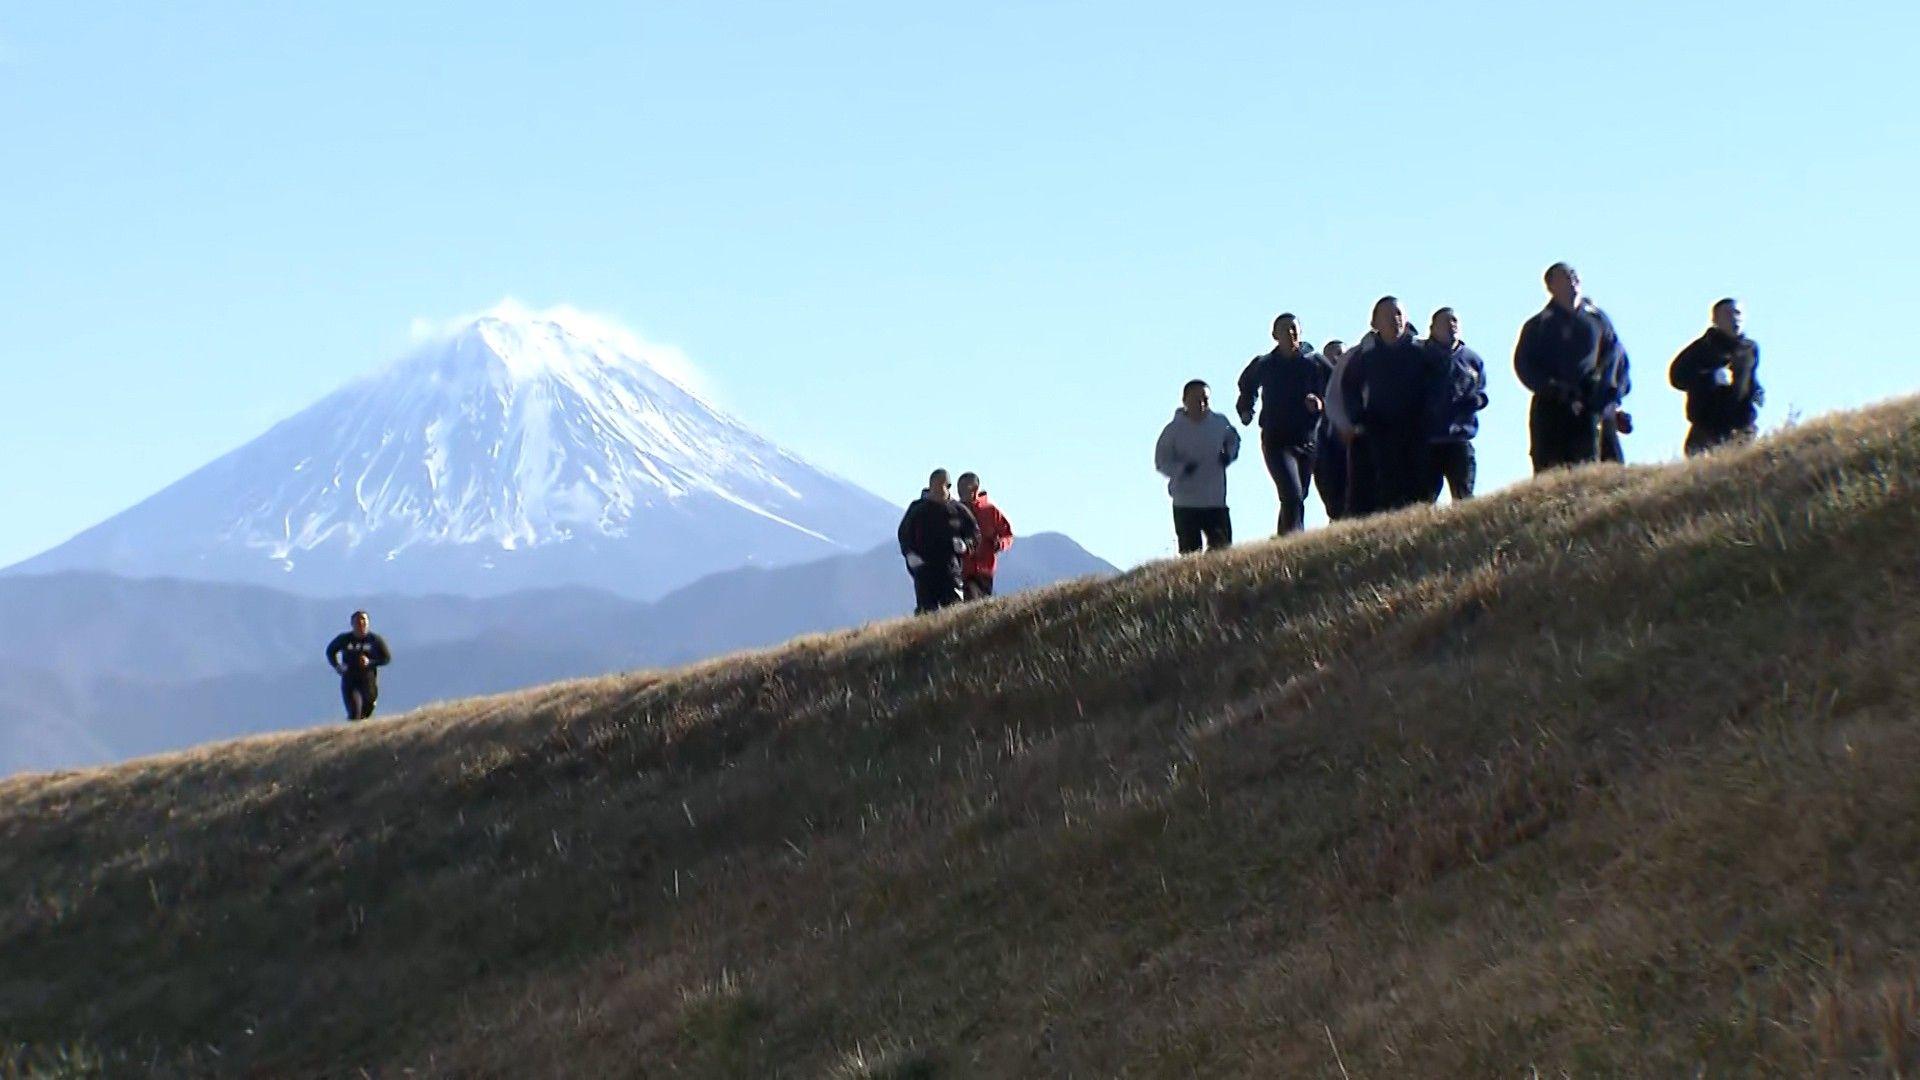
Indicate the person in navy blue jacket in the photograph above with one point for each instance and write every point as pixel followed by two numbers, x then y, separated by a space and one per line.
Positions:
pixel 1386 388
pixel 1290 383
pixel 1572 360
pixel 1456 395
pixel 358 655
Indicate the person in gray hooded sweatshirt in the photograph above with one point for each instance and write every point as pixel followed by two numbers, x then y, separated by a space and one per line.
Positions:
pixel 1193 454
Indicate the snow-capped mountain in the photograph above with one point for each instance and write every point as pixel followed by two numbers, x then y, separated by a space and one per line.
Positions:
pixel 521 449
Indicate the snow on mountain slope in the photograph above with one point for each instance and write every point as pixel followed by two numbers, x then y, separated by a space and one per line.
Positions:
pixel 521 450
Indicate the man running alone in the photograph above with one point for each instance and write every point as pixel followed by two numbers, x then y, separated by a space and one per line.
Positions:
pixel 1290 384
pixel 1719 373
pixel 1570 358
pixel 358 655
pixel 1386 387
pixel 1456 395
pixel 1193 453
pixel 936 532
pixel 996 536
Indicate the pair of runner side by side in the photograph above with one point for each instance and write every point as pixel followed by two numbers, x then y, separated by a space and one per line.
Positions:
pixel 952 542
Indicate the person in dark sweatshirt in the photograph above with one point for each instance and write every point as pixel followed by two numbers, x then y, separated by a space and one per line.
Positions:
pixel 1571 359
pixel 1386 387
pixel 935 534
pixel 358 655
pixel 1456 394
pixel 1193 453
pixel 1719 373
pixel 1290 384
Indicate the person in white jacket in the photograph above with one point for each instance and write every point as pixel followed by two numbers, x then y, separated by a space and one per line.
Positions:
pixel 1193 453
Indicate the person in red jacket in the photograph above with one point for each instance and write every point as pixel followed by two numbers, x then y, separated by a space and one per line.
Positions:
pixel 996 536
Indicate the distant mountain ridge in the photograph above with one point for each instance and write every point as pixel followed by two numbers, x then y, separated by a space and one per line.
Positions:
pixel 119 667
pixel 523 450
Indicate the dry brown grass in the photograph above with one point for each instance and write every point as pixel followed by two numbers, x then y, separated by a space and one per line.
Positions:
pixel 1612 775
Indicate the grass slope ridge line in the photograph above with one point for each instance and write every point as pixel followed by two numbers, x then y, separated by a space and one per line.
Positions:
pixel 1607 774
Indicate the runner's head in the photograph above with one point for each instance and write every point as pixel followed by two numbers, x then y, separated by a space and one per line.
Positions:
pixel 1286 333
pixel 1445 328
pixel 1563 284
pixel 1195 398
pixel 359 622
pixel 1389 319
pixel 1728 316
pixel 968 486
pixel 937 485
pixel 1334 350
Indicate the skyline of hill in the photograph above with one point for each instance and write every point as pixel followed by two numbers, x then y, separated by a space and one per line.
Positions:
pixel 1607 774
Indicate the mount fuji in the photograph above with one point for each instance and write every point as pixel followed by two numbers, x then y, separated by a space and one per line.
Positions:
pixel 519 450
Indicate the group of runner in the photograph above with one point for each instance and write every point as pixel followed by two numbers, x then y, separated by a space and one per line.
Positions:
pixel 1390 422
pixel 1386 424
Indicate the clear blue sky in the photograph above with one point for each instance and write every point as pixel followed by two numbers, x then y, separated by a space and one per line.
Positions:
pixel 987 236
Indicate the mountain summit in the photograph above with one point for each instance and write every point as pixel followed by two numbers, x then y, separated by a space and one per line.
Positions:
pixel 521 449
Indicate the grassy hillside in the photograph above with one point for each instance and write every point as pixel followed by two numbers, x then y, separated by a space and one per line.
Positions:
pixel 1614 774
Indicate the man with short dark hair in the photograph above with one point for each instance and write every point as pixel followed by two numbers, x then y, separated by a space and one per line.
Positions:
pixel 1719 372
pixel 1290 383
pixel 358 655
pixel 936 531
pixel 1571 359
pixel 995 536
pixel 1456 395
pixel 1193 453
pixel 1386 386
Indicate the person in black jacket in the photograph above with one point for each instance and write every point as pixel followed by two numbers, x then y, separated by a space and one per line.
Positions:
pixel 1386 388
pixel 1719 373
pixel 1457 393
pixel 1291 385
pixel 935 534
pixel 358 655
pixel 1572 360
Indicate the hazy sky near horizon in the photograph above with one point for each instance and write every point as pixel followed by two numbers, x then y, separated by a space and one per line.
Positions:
pixel 992 236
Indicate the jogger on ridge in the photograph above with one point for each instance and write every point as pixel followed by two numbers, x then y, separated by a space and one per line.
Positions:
pixel 1193 453
pixel 358 655
pixel 1290 383
pixel 1719 372
pixel 996 536
pixel 936 531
